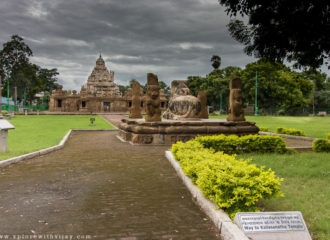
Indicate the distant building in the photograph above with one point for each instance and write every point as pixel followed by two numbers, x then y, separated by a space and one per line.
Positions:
pixel 100 95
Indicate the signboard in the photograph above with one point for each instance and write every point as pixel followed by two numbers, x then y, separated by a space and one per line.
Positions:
pixel 273 225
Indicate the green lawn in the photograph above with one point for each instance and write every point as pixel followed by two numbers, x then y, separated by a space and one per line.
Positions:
pixel 33 133
pixel 317 127
pixel 306 187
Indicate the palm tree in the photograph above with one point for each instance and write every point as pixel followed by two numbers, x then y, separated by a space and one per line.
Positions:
pixel 216 61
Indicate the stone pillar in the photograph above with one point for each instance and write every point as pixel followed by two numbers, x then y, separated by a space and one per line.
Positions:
pixel 4 127
pixel 152 99
pixel 236 112
pixel 202 98
pixel 135 111
pixel 3 140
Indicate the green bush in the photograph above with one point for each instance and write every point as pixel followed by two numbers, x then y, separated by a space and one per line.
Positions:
pixel 263 129
pixel 233 184
pixel 246 144
pixel 4 112
pixel 290 131
pixel 321 145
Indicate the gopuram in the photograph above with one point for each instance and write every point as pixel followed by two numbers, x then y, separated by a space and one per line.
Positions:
pixel 185 117
pixel 99 95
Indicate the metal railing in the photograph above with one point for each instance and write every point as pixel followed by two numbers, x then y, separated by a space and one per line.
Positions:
pixel 13 108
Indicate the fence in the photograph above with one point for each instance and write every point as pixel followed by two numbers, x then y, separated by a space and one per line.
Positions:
pixel 9 108
pixel 13 108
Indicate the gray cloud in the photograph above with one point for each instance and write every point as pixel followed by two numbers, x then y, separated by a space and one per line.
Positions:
pixel 171 38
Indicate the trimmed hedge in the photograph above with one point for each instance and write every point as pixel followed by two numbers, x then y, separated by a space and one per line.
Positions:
pixel 290 131
pixel 233 184
pixel 263 129
pixel 321 145
pixel 246 144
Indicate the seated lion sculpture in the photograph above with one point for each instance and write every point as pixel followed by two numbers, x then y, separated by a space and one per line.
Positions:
pixel 182 105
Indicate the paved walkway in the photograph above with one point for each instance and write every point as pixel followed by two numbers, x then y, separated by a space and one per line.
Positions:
pixel 114 119
pixel 100 187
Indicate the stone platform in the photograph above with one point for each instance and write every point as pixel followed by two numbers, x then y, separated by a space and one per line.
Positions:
pixel 167 132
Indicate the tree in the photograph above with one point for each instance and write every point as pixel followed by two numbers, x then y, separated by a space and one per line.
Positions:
pixel 163 85
pixel 295 30
pixel 215 83
pixel 321 88
pixel 14 55
pixel 26 77
pixel 278 86
pixel 48 78
pixel 122 89
pixel 216 61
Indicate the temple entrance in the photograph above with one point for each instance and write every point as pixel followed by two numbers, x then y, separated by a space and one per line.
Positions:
pixel 106 106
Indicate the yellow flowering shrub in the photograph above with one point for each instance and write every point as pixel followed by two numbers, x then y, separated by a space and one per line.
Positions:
pixel 250 143
pixel 233 184
pixel 290 131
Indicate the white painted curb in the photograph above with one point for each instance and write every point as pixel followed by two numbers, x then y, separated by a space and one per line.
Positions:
pixel 288 136
pixel 228 230
pixel 46 150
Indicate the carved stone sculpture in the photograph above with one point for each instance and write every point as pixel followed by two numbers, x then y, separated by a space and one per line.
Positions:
pixel 135 111
pixel 152 99
pixel 202 98
pixel 182 105
pixel 236 112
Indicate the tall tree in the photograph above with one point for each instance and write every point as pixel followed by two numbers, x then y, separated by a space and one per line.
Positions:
pixel 216 83
pixel 48 78
pixel 216 61
pixel 296 30
pixel 26 77
pixel 14 55
pixel 321 87
pixel 278 86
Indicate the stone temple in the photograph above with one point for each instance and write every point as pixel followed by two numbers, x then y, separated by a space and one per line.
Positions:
pixel 99 95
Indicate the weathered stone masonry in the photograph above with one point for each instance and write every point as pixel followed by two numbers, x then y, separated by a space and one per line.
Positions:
pixel 100 95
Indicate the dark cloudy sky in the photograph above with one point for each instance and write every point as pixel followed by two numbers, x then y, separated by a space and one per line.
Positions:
pixel 172 38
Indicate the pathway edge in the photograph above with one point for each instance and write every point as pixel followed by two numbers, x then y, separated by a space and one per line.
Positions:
pixel 228 230
pixel 44 151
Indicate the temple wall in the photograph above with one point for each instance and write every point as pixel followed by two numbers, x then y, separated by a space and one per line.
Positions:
pixel 99 95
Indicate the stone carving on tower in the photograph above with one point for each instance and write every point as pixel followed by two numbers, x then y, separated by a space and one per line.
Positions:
pixel 101 81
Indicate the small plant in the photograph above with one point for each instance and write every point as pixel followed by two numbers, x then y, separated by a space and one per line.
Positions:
pixel 290 131
pixel 328 136
pixel 263 129
pixel 321 145
pixel 4 112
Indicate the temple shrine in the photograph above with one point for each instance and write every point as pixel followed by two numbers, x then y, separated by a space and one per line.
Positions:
pixel 99 95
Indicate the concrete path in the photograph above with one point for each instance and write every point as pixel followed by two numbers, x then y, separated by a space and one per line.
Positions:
pixel 99 188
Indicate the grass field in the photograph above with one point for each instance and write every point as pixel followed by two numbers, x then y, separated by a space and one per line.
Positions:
pixel 33 133
pixel 317 127
pixel 306 187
